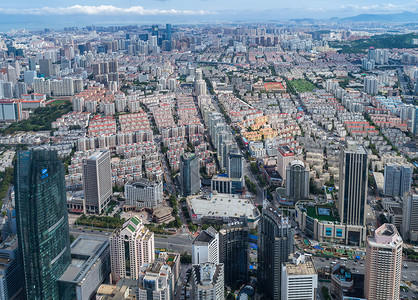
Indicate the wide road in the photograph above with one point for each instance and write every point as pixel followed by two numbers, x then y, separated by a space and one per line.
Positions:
pixel 178 243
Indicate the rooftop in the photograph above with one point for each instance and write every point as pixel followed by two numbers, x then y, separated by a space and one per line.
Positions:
pixel 306 268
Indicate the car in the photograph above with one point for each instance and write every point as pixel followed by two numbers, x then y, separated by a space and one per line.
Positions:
pixel 413 274
pixel 404 277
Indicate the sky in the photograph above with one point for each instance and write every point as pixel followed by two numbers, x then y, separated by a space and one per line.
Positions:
pixel 177 11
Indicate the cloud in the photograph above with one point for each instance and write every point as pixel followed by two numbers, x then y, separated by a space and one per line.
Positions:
pixel 384 7
pixel 99 10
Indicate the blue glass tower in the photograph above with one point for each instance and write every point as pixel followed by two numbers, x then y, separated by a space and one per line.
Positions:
pixel 42 221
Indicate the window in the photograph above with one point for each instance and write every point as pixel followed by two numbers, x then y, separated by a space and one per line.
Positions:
pixel 328 231
pixel 339 232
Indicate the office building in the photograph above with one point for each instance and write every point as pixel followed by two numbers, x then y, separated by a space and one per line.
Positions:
pixel 29 76
pixel 144 193
pixel 42 221
pixel 10 110
pixel 284 158
pixel 12 285
pixel 189 174
pixel 234 253
pixel 235 168
pixel 205 247
pixel 353 185
pixel 397 179
pixel 97 181
pixel 383 264
pixel 370 85
pixel 89 268
pixel 299 278
pixel 156 281
pixel 130 247
pixel 45 67
pixel 409 227
pixel 297 181
pixel 275 244
pixel 207 281
pixel 346 285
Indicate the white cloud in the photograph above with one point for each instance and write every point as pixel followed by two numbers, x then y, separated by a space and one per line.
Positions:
pixel 99 10
pixel 384 7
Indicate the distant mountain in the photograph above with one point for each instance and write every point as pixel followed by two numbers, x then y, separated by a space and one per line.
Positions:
pixel 404 17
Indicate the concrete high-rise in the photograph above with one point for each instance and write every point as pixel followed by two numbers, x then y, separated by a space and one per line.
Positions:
pixel 275 237
pixel 97 181
pixel 189 174
pixel 383 264
pixel 45 67
pixel 370 85
pixel 409 227
pixel 156 281
pixel 397 179
pixel 234 252
pixel 144 193
pixel 284 157
pixel 352 198
pixel 208 281
pixel 297 181
pixel 205 247
pixel 235 169
pixel 42 221
pixel 299 278
pixel 130 247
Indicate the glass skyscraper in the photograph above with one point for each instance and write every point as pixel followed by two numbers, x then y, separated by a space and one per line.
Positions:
pixel 42 221
pixel 189 174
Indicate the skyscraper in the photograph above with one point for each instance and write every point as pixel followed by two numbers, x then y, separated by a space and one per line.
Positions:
pixel 42 221
pixel 284 157
pixel 297 181
pixel 130 247
pixel 370 85
pixel 383 264
pixel 275 237
pixel 205 247
pixel 97 181
pixel 353 184
pixel 208 281
pixel 397 179
pixel 45 67
pixel 189 174
pixel 235 169
pixel 234 252
pixel 409 227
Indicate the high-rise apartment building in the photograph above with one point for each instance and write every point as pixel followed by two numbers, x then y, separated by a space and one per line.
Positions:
pixel 189 174
pixel 284 157
pixel 275 237
pixel 156 281
pixel 397 179
pixel 205 247
pixel 130 247
pixel 45 67
pixel 97 181
pixel 383 264
pixel 234 252
pixel 297 181
pixel 208 281
pixel 409 227
pixel 299 278
pixel 353 184
pixel 370 85
pixel 42 221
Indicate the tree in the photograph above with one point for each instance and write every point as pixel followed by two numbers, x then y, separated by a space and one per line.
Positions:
pixel 185 258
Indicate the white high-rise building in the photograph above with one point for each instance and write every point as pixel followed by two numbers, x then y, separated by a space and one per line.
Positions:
pixel 383 264
pixel 205 247
pixel 208 281
pixel 78 104
pixel 130 247
pixel 370 85
pixel 299 278
pixel 144 193
pixel 157 279
pixel 97 181
pixel 409 227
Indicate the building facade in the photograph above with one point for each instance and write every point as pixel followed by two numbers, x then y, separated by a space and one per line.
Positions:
pixel 275 237
pixel 297 181
pixel 409 227
pixel 397 179
pixel 208 281
pixel 234 252
pixel 189 174
pixel 97 181
pixel 205 247
pixel 156 281
pixel 353 185
pixel 144 193
pixel 42 221
pixel 130 247
pixel 383 264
